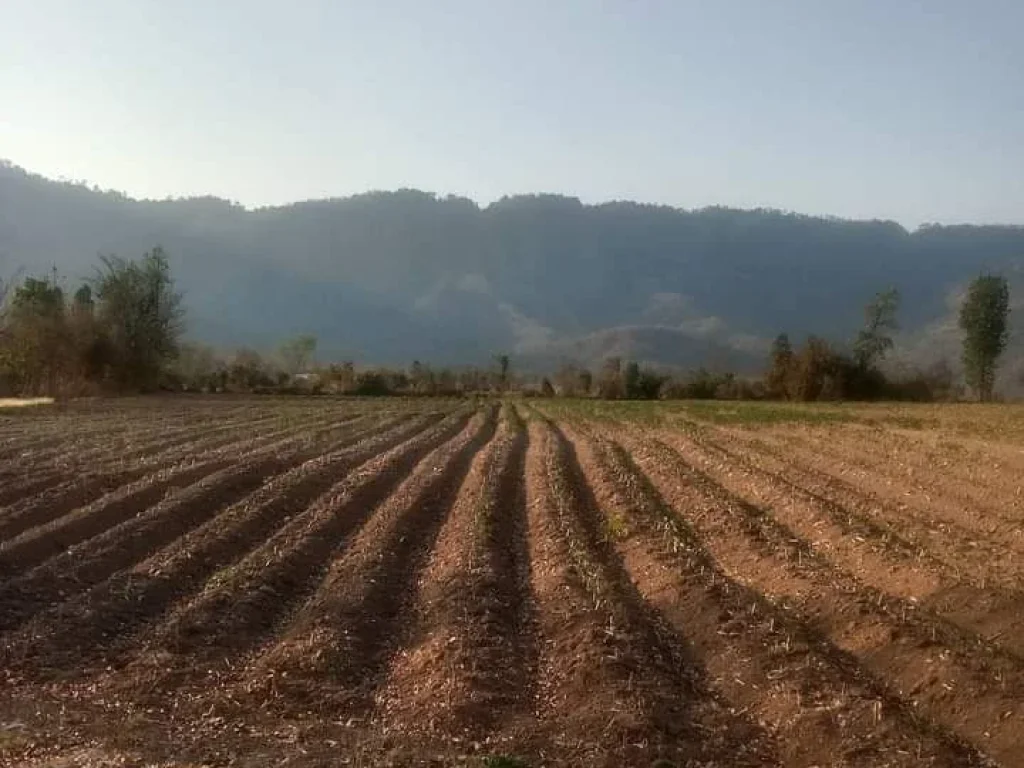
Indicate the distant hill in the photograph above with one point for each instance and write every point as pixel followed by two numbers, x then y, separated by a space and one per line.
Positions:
pixel 391 276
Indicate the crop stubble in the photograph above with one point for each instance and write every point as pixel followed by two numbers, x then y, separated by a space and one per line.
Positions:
pixel 398 581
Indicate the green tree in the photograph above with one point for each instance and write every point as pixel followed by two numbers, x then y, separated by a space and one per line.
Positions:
pixel 91 350
pixel 584 382
pixel 631 380
pixel 647 385
pixel 37 349
pixel 875 339
pixel 340 377
pixel 701 384
pixel 983 319
pixel 297 353
pixel 781 367
pixel 141 316
pixel 247 371
pixel 5 290
pixel 814 371
pixel 197 368
pixel 503 372
pixel 418 377
pixel 6 374
pixel 609 385
pixel 372 384
pixel 573 381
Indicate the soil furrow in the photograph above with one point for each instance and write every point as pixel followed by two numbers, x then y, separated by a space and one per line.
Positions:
pixel 949 548
pixel 45 541
pixel 972 489
pixel 52 503
pixel 800 526
pixel 344 636
pixel 77 448
pixel 39 543
pixel 118 423
pixel 109 456
pixel 88 447
pixel 970 690
pixel 108 617
pixel 968 614
pixel 208 580
pixel 976 587
pixel 854 546
pixel 148 527
pixel 239 607
pixel 468 663
pixel 642 677
pixel 953 535
pixel 109 466
pixel 819 702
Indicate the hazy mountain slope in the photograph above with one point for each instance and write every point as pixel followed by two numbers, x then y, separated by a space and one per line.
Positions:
pixel 393 276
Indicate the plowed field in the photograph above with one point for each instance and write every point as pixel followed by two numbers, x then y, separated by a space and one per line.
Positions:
pixel 262 582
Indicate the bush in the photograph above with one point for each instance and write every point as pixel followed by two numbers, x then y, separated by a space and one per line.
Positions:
pixel 819 372
pixel 371 384
pixel 696 385
pixel 644 384
pixel 934 383
pixel 610 384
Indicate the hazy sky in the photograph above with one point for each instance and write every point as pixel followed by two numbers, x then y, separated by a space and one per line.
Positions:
pixel 904 109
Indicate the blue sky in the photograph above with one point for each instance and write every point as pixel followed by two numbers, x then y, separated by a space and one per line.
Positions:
pixel 901 109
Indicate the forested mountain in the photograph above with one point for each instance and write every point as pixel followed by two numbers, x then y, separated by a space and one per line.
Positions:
pixel 392 276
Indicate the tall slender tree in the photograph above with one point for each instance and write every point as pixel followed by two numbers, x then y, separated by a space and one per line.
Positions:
pixel 503 372
pixel 781 367
pixel 983 319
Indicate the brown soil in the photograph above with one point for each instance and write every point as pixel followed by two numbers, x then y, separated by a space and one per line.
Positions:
pixel 613 673
pixel 821 704
pixel 344 635
pixel 920 662
pixel 977 572
pixel 312 582
pixel 467 668
pixel 241 604
pixel 48 492
pixel 127 599
pixel 982 517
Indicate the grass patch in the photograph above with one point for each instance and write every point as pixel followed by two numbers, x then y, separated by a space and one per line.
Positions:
pixel 903 422
pixel 22 402
pixel 504 761
pixel 12 740
pixel 749 413
pixel 661 413
pixel 995 421
pixel 616 526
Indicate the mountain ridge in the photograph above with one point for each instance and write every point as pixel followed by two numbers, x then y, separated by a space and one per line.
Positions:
pixel 392 276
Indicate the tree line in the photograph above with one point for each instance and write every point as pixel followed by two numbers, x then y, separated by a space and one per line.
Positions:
pixel 291 369
pixel 820 370
pixel 121 331
pixel 117 331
